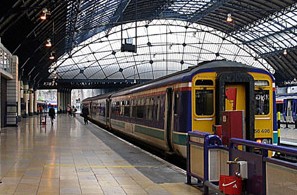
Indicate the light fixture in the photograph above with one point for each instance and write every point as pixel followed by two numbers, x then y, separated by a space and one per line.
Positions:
pixel 285 52
pixel 229 18
pixel 52 57
pixel 44 13
pixel 48 43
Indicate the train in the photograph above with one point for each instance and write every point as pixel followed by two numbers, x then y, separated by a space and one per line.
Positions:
pixel 161 112
pixel 287 106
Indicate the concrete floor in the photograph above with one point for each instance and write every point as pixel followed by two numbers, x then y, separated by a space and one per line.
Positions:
pixel 67 158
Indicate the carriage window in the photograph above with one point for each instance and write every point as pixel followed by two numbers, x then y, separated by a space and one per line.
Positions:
pixel 204 102
pixel 134 108
pixel 101 109
pixel 140 109
pixel 262 102
pixel 115 110
pixel 156 108
pixel 175 103
pixel 127 109
pixel 149 108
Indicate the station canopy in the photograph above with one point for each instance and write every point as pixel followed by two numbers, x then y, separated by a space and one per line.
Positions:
pixel 163 47
pixel 130 41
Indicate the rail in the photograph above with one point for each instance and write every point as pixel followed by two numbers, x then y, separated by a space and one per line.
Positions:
pixel 201 147
pixel 248 160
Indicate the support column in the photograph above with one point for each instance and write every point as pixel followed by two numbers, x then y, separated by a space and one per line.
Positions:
pixel 1 120
pixel 59 108
pixel 35 102
pixel 26 99
pixel 62 100
pixel 31 101
pixel 69 97
pixel 21 96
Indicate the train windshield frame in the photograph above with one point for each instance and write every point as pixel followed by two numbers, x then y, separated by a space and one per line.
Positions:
pixel 204 97
pixel 262 97
pixel 204 102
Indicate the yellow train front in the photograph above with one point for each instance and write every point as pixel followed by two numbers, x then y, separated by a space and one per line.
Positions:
pixel 161 112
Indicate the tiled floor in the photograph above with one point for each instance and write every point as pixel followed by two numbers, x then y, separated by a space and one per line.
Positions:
pixel 288 135
pixel 72 158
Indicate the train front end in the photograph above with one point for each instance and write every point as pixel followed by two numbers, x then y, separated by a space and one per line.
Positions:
pixel 234 100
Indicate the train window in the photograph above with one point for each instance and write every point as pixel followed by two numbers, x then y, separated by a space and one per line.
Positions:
pixel 204 102
pixel 101 109
pixel 140 109
pixel 149 108
pixel 122 107
pixel 134 108
pixel 175 103
pixel 204 82
pixel 262 102
pixel 127 109
pixel 116 108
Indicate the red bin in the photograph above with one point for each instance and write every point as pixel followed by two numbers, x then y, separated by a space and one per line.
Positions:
pixel 231 185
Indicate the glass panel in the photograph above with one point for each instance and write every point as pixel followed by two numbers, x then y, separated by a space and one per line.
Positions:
pixel 204 102
pixel 262 102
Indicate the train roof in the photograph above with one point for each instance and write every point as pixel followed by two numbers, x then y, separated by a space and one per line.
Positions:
pixel 183 76
pixel 187 74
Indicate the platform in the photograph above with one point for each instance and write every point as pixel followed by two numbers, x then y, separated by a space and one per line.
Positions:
pixel 72 158
pixel 288 135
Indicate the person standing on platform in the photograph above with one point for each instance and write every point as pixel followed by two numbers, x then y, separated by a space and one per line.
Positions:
pixel 40 109
pixel 73 111
pixel 68 110
pixel 85 113
pixel 52 114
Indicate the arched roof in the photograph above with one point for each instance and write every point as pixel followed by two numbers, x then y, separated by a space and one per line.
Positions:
pixel 266 27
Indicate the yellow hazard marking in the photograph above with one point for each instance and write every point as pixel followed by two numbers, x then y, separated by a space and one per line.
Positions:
pixel 96 166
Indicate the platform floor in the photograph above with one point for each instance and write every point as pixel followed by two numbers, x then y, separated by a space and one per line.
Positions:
pixel 72 158
pixel 288 135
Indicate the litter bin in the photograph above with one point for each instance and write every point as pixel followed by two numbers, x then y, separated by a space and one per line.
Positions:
pixel 230 184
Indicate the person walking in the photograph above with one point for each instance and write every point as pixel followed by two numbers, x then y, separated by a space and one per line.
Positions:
pixel 85 113
pixel 52 114
pixel 73 111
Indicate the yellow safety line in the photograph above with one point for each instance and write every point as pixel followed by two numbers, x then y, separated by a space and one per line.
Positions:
pixel 97 166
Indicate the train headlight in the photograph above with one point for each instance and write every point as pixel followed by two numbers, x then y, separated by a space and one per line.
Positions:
pixel 265 141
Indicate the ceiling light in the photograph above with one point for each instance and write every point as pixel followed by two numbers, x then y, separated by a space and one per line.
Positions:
pixel 44 13
pixel 48 43
pixel 52 57
pixel 285 52
pixel 229 18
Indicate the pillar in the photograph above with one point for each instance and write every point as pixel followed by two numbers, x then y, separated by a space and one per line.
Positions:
pixel 31 101
pixel 26 99
pixel 58 102
pixel 21 95
pixel 35 102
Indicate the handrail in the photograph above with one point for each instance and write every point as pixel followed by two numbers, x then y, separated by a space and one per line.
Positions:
pixel 282 149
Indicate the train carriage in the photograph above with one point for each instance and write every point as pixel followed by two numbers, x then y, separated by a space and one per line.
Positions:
pixel 162 111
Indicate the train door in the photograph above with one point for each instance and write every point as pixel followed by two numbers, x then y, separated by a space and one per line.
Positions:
pixel 107 114
pixel 168 116
pixel 236 92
